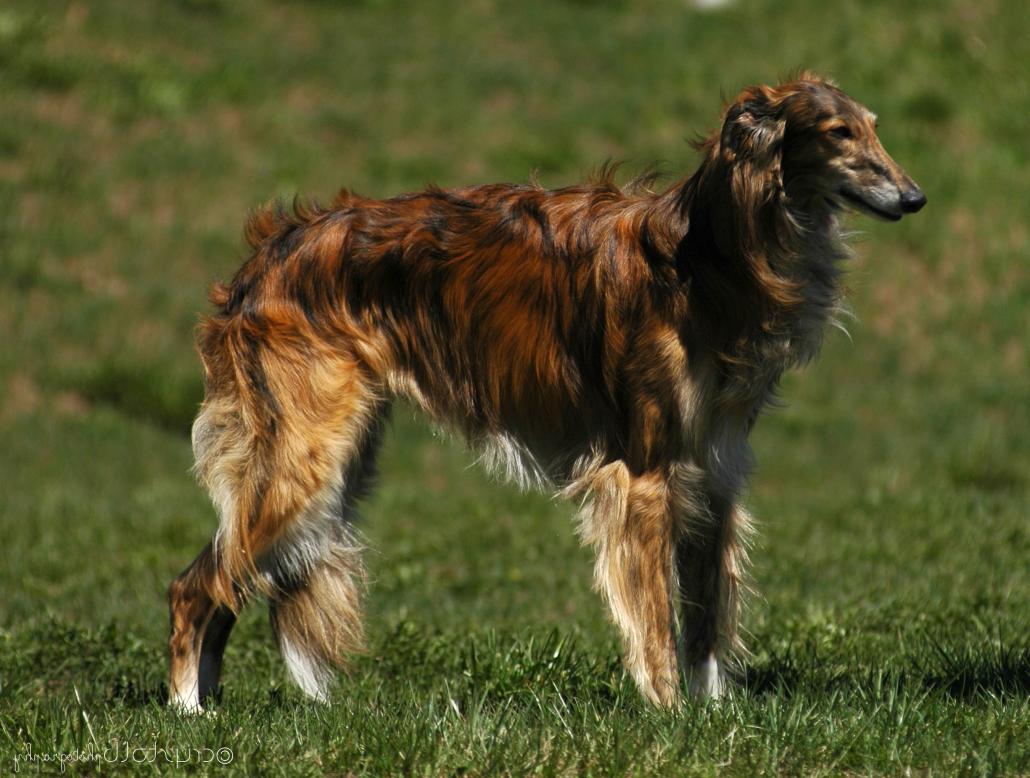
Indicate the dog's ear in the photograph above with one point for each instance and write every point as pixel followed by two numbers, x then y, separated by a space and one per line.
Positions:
pixel 753 129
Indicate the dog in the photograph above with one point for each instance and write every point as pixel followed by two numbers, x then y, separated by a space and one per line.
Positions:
pixel 616 345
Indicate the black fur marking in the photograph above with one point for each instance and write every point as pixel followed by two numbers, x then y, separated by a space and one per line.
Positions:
pixel 531 209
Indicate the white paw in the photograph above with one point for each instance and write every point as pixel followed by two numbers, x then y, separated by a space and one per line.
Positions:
pixel 188 705
pixel 706 679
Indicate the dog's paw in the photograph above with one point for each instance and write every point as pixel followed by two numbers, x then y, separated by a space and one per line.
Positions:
pixel 706 680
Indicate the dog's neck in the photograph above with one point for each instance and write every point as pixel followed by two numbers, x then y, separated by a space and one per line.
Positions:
pixel 761 268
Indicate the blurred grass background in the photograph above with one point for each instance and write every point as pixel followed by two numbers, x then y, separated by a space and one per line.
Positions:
pixel 893 491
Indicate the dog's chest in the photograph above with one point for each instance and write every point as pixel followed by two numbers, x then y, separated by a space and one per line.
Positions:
pixel 720 400
pixel 718 406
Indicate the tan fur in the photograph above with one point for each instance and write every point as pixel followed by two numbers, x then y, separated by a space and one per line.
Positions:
pixel 616 345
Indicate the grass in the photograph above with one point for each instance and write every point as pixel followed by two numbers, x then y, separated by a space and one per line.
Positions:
pixel 890 633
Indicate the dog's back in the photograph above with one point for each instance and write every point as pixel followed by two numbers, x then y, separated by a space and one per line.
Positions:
pixel 500 309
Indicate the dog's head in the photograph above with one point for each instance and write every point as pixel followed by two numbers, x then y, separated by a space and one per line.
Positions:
pixel 818 146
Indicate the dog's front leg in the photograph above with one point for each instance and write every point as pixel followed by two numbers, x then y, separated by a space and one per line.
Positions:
pixel 710 558
pixel 631 528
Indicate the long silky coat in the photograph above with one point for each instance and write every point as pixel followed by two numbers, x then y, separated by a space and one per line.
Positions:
pixel 615 345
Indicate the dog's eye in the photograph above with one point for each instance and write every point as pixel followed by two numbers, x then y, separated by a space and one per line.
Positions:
pixel 841 132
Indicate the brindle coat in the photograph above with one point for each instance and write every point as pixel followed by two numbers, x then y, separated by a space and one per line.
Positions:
pixel 617 345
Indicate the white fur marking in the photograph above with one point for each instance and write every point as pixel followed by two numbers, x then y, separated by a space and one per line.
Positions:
pixel 510 459
pixel 187 701
pixel 707 679
pixel 311 675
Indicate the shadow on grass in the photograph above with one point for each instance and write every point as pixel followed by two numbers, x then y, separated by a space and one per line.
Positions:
pixel 960 673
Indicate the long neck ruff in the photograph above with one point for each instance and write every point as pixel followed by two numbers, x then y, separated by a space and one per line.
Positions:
pixel 762 268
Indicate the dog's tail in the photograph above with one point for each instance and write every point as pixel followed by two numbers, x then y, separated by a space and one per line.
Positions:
pixel 316 614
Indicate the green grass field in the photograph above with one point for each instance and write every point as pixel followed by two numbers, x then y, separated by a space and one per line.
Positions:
pixel 892 627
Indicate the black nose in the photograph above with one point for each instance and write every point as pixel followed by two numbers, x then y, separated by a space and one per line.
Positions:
pixel 913 200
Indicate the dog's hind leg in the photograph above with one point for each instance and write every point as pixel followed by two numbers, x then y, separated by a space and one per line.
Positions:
pixel 275 445
pixel 318 579
pixel 710 559
pixel 200 628
pixel 631 528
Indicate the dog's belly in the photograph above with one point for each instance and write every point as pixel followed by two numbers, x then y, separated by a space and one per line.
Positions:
pixel 538 442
